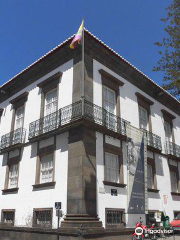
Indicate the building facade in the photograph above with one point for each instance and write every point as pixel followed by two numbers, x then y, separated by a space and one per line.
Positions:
pixel 64 141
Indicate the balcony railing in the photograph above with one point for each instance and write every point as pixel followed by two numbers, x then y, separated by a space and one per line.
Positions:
pixel 172 149
pixel 73 112
pixel 15 137
pixel 153 140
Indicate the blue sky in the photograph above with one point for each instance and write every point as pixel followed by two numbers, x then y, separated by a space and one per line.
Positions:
pixel 30 28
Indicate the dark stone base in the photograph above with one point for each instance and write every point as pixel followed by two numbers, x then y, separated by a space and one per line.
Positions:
pixel 81 222
pixel 22 233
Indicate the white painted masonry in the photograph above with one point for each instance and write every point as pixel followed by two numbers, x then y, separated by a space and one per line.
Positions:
pixel 26 199
pixel 129 112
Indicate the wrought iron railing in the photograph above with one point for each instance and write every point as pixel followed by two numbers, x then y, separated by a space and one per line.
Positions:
pixel 172 149
pixel 153 140
pixel 73 112
pixel 12 138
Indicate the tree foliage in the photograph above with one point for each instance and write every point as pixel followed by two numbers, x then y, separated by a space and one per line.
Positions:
pixel 169 62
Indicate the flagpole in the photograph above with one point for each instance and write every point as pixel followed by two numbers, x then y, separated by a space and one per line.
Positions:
pixel 83 75
pixel 83 72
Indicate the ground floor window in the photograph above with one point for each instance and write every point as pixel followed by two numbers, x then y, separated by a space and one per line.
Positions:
pixel 177 215
pixel 114 218
pixel 42 217
pixel 8 217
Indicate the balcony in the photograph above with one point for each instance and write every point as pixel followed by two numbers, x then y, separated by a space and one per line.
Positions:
pixel 71 114
pixel 172 150
pixel 13 139
pixel 153 141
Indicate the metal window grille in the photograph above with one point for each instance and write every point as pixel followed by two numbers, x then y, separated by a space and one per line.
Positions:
pixel 8 217
pixel 114 217
pixel 43 218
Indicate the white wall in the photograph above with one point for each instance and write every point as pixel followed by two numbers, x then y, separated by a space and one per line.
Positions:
pixel 129 112
pixel 32 107
pixel 26 199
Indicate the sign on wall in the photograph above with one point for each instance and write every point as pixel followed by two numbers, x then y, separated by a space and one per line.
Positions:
pixel 137 171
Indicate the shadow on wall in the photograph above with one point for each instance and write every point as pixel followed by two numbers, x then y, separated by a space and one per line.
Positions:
pixel 90 195
pixel 154 195
pixel 33 150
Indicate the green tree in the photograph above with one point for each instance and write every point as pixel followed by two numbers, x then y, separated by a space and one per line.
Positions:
pixel 169 62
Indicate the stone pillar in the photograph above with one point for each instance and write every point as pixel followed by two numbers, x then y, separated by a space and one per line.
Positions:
pixel 81 195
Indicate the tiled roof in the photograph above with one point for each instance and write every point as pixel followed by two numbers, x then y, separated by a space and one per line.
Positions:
pixel 102 43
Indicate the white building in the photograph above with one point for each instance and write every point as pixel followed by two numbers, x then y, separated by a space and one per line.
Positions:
pixel 59 147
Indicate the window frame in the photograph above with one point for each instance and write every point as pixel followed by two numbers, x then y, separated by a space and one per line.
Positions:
pixel 35 210
pixel 175 170
pixel 45 101
pixel 115 100
pixel 117 170
pixel 43 152
pixel 140 117
pixel 108 148
pixel 151 161
pixel 115 226
pixel 2 216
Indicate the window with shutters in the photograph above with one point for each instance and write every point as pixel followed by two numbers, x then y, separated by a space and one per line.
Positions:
pixel 143 118
pixel 168 131
pixel 8 217
pixel 112 168
pixel 42 218
pixel 150 177
pixel 46 168
pixel 13 176
pixel 174 181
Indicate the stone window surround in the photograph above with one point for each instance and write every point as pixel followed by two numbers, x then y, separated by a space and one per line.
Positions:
pixel 168 117
pixel 151 161
pixel 108 148
pixel 122 225
pixel 46 86
pixel 113 83
pixel 11 161
pixel 17 103
pixel 176 170
pixel 2 215
pixel 145 103
pixel 42 152
pixel 35 210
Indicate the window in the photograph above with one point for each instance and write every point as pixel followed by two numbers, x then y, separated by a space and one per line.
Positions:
pixel 150 177
pixel 46 168
pixel 168 130
pixel 143 118
pixel 51 102
pixel 112 167
pixel 174 183
pixel 8 217
pixel 13 176
pixel 114 218
pixel 43 217
pixel 19 118
pixel 109 100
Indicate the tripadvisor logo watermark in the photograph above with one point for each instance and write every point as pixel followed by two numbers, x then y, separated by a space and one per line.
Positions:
pixel 162 231
pixel 140 231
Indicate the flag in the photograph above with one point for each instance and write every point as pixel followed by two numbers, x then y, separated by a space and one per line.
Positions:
pixel 78 37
